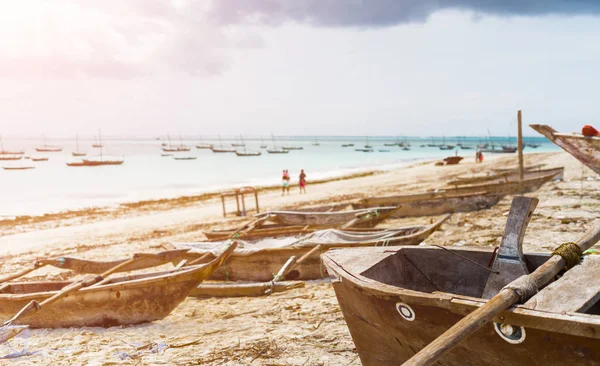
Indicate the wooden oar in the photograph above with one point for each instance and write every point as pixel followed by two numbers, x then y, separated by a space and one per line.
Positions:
pixel 507 297
pixel 22 273
pixel 8 332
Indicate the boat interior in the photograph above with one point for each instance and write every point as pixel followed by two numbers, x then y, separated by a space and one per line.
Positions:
pixel 456 271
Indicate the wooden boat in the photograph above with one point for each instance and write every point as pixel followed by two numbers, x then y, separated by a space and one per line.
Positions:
pixel 121 301
pixel 383 150
pixel 397 301
pixel 5 152
pixel 364 150
pixel 493 150
pixel 98 143
pixel 47 148
pixel 18 167
pixel 248 153
pixel 223 150
pixel 204 146
pixel 458 199
pixel 179 148
pixel 10 158
pixel 92 163
pixel 251 289
pixel 453 160
pixel 583 148
pixel 185 157
pixel 516 169
pixel 292 147
pixel 277 151
pixel 347 145
pixel 39 159
pixel 368 217
pixel 259 264
pixel 509 176
pixel 77 152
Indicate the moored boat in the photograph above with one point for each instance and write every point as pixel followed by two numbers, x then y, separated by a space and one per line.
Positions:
pixel 583 148
pixel 509 176
pixel 18 167
pixel 48 148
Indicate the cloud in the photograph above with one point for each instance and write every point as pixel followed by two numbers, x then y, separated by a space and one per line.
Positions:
pixel 382 13
pixel 63 39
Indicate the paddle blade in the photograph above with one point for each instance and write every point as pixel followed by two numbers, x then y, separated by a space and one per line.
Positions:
pixel 9 331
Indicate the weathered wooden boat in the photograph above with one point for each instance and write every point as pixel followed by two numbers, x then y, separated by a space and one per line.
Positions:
pixel 18 167
pixel 10 157
pixel 39 159
pixel 95 162
pixel 77 153
pixel 583 148
pixel 119 301
pixel 396 301
pixel 204 146
pixel 222 150
pixel 250 289
pixel 509 176
pixel 516 169
pixel 253 262
pixel 7 152
pixel 48 148
pixel 458 199
pixel 453 160
pixel 277 151
pixel 248 153
pixel 368 217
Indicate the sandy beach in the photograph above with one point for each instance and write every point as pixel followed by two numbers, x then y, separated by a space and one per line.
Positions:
pixel 298 327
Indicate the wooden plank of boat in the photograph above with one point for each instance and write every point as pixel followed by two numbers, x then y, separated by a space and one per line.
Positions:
pixel 252 289
pixel 457 199
pixel 583 148
pixel 120 301
pixel 397 301
pixel 512 170
pixel 509 176
pixel 370 217
pixel 576 291
pixel 261 264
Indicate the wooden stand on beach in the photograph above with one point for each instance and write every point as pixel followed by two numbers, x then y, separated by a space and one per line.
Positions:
pixel 239 195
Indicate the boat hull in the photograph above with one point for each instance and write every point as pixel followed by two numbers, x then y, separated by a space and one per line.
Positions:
pixel 261 265
pixel 383 336
pixel 295 218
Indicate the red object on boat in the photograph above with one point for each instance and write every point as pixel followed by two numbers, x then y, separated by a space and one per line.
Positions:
pixel 589 131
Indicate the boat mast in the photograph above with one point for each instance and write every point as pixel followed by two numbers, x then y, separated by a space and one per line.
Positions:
pixel 273 137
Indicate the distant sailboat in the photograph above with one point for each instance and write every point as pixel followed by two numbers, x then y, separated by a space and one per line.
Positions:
pixel 316 143
pixel 98 161
pixel 180 148
pixel 4 152
pixel 98 143
pixel 222 149
pixel 48 148
pixel 5 155
pixel 367 145
pixel 275 150
pixel 77 152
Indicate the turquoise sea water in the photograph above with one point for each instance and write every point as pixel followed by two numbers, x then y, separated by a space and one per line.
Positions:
pixel 52 186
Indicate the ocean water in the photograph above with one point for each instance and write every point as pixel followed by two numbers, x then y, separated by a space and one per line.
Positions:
pixel 53 186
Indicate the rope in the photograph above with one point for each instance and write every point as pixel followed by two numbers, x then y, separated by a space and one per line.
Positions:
pixel 524 286
pixel 570 252
pixel 467 259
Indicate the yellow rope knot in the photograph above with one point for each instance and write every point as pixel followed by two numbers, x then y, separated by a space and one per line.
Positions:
pixel 570 252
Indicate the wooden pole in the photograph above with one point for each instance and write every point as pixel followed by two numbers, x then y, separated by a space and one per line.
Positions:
pixel 520 144
pixel 256 199
pixel 223 203
pixel 243 205
pixel 237 202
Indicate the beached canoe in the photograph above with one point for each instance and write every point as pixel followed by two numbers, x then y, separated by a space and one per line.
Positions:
pixel 396 302
pixel 393 315
pixel 583 148
pixel 458 199
pixel 509 176
pixel 120 301
pixel 258 261
pixel 368 217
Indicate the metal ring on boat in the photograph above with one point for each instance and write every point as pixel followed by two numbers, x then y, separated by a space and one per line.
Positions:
pixel 513 334
pixel 405 311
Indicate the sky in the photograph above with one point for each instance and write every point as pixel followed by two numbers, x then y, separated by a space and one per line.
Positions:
pixel 297 67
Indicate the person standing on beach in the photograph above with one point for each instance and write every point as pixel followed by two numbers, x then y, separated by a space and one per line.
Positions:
pixel 285 183
pixel 302 181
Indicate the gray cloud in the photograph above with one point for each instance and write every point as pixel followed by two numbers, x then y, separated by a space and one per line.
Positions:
pixel 382 13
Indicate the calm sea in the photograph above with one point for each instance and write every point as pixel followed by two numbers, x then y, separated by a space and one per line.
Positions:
pixel 53 187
